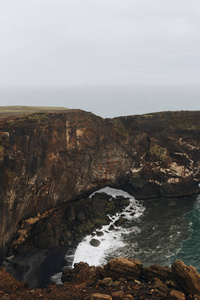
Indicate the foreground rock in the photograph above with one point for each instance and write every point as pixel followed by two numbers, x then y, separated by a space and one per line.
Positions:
pixel 156 271
pixel 100 297
pixel 49 159
pixel 92 283
pixel 124 267
pixel 187 277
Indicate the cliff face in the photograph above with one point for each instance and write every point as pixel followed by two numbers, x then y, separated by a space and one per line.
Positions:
pixel 48 159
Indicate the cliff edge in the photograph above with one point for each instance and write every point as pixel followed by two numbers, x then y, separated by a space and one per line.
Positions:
pixel 49 158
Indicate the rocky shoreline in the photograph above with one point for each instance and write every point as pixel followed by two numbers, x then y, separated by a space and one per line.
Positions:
pixel 44 241
pixel 120 278
pixel 48 159
pixel 51 162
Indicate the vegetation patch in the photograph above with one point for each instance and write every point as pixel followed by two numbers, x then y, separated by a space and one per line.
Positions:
pixel 119 126
pixel 183 122
pixel 160 152
pixel 148 116
pixel 11 173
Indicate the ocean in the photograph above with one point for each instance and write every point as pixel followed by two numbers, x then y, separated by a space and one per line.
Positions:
pixel 107 102
pixel 156 231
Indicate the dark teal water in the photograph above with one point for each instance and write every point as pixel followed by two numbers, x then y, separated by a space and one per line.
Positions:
pixel 190 250
pixel 168 229
pixel 157 231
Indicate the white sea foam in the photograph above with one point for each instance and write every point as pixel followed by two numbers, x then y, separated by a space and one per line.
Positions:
pixel 56 278
pixel 111 240
pixel 113 192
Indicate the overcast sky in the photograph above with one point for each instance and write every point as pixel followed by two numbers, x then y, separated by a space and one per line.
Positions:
pixel 99 42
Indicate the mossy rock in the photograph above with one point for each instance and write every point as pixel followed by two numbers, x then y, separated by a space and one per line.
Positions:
pixel 101 222
pixel 119 126
pixel 87 227
pixel 159 152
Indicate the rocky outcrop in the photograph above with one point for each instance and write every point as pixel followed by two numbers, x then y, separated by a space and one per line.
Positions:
pixel 89 282
pixel 156 271
pixel 67 224
pixel 187 277
pixel 124 267
pixel 48 159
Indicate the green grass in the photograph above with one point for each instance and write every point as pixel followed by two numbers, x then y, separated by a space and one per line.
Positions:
pixel 29 109
pixel 160 152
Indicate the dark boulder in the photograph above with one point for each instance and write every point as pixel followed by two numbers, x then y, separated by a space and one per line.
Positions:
pixel 95 242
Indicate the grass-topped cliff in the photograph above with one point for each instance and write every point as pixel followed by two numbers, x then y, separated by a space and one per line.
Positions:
pixel 13 112
pixel 48 158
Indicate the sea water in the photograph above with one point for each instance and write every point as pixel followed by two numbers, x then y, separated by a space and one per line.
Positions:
pixel 156 231
pixel 108 102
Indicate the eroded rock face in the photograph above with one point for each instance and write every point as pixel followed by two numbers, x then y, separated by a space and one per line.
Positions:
pixel 49 159
pixel 124 267
pixel 155 271
pixel 187 277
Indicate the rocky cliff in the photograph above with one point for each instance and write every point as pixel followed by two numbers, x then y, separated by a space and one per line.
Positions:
pixel 48 159
pixel 120 279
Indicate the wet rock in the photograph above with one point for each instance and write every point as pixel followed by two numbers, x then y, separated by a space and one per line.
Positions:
pixel 187 277
pixel 120 222
pixel 111 227
pixel 124 267
pixel 100 202
pixel 95 243
pixel 99 233
pixel 156 271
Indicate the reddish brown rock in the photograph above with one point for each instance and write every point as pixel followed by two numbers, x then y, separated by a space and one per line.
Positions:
pixel 9 283
pixel 124 267
pixel 128 297
pixel 177 295
pixel 156 271
pixel 106 281
pixel 86 284
pixel 118 295
pixel 159 285
pixel 100 297
pixel 187 277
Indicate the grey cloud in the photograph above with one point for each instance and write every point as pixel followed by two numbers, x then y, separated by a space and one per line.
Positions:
pixel 91 42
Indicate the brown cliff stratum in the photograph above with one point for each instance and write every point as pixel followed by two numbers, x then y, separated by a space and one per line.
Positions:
pixel 47 159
